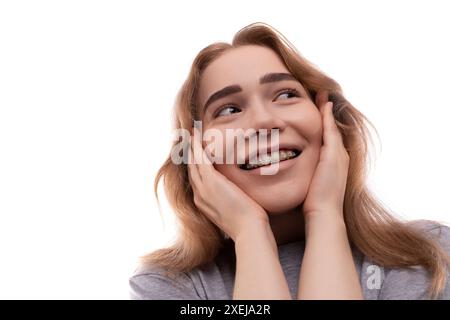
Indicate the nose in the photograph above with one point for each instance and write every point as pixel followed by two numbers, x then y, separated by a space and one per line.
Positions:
pixel 264 116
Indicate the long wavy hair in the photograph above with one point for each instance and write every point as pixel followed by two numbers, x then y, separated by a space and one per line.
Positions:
pixel 371 227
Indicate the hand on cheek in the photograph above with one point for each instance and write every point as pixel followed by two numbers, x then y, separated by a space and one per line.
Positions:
pixel 220 200
pixel 327 188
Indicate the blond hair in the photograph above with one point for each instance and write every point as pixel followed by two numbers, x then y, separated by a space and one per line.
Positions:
pixel 380 236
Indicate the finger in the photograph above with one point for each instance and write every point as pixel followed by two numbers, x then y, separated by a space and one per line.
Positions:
pixel 202 152
pixel 204 165
pixel 331 133
pixel 196 155
pixel 194 175
pixel 321 98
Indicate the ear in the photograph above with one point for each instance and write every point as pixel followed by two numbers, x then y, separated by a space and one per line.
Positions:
pixel 321 98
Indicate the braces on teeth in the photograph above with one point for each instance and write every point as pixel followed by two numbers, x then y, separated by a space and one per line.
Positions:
pixel 269 159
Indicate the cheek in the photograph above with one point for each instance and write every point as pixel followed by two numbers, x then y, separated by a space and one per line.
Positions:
pixel 222 149
pixel 307 120
pixel 214 144
pixel 229 171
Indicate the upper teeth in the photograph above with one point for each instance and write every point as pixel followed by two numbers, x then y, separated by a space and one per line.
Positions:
pixel 266 159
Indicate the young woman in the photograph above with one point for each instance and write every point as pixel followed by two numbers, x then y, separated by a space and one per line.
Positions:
pixel 312 229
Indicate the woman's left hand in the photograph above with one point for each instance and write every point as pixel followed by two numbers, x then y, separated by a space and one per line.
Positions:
pixel 328 268
pixel 327 188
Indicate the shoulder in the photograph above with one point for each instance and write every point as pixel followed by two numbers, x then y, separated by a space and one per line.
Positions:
pixel 436 230
pixel 413 282
pixel 152 282
pixel 428 225
pixel 210 281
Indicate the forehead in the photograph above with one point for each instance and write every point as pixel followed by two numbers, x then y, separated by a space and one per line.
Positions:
pixel 243 66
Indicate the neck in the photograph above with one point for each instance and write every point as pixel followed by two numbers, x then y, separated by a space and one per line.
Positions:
pixel 288 226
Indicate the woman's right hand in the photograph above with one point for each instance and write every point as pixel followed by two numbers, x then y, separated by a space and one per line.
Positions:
pixel 259 274
pixel 224 203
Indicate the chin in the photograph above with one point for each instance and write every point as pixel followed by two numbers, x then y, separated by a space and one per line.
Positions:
pixel 279 201
pixel 275 194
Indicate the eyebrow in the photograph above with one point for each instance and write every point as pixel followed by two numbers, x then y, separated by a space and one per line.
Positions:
pixel 267 78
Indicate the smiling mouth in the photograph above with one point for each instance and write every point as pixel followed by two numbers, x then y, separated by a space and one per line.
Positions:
pixel 268 159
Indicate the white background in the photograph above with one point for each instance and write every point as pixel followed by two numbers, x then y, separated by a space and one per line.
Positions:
pixel 86 91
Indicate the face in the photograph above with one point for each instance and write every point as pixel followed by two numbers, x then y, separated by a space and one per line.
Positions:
pixel 277 102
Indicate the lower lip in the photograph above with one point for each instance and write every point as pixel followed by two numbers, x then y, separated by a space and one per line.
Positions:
pixel 282 165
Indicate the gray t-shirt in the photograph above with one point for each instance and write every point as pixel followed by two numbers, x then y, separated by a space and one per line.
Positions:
pixel 215 280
